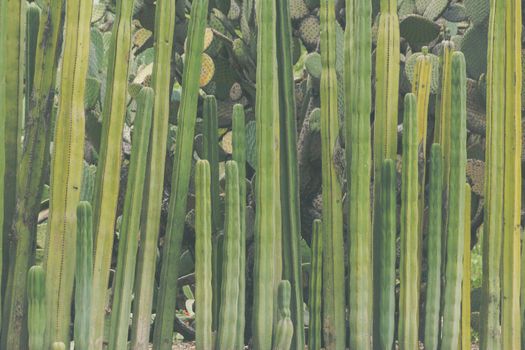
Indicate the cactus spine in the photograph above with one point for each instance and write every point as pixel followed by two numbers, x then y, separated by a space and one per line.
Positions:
pixel 203 251
pixel 129 233
pixel 333 263
pixel 315 291
pixel 409 290
pixel 163 333
pixel 226 336
pixel 465 288
pixel 36 310
pixel 284 331
pixel 358 73
pixel 456 205
pixel 83 275
pixel 66 171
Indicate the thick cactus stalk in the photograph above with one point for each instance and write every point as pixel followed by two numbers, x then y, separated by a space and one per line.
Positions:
pixel 456 205
pixel 147 257
pixel 163 333
pixel 333 257
pixel 230 265
pixel 239 156
pixel 358 80
pixel 203 251
pixel 285 327
pixel 466 340
pixel 129 232
pixel 36 310
pixel 315 288
pixel 433 290
pixel 83 275
pixel 66 171
pixel 108 169
pixel 385 262
pixel 409 288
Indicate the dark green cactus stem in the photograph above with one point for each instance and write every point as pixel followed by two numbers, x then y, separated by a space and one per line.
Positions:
pixel 385 262
pixel 358 104
pixel 239 156
pixel 147 257
pixel 291 223
pixel 36 310
pixel 32 27
pixel 129 232
pixel 163 334
pixel 83 275
pixel 108 169
pixel 226 336
pixel 3 111
pixel 66 171
pixel 466 337
pixel 409 288
pixel 285 327
pixel 315 289
pixel 203 251
pixel 333 245
pixel 433 294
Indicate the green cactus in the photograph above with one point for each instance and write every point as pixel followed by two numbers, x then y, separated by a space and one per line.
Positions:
pixel 58 345
pixel 32 28
pixel 298 9
pixel 163 333
pixel 129 233
pixel 315 288
pixel 309 32
pixel 284 328
pixel 88 182
pixel 466 338
pixel 3 111
pixel 36 310
pixel 203 251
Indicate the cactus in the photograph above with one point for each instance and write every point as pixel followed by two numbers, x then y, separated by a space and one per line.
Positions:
pixel 357 78
pixel 315 289
pixel 298 9
pixel 66 171
pixel 32 28
pixel 83 275
pixel 203 269
pixel 309 32
pixel 226 335
pixel 465 287
pixel 333 245
pixel 129 234
pixel 58 345
pixel 409 288
pixel 36 310
pixel 284 328
pixel 3 111
pixel 434 248
pixel 163 333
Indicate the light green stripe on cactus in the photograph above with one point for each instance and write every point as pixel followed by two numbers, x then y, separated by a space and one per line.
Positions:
pixel 66 171
pixel 36 310
pixel 285 327
pixel 315 291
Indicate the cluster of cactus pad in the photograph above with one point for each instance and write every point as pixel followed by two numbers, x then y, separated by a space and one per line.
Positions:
pixel 217 109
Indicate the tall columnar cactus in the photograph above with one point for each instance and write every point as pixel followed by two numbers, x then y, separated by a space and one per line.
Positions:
pixel 284 328
pixel 203 269
pixel 315 288
pixel 3 111
pixel 466 340
pixel 358 80
pixel 36 311
pixel 129 232
pixel 433 290
pixel 147 257
pixel 455 205
pixel 409 288
pixel 333 257
pixel 163 334
pixel 83 276
pixel 108 169
pixel 32 26
pixel 385 262
pixel 66 171
pixel 226 336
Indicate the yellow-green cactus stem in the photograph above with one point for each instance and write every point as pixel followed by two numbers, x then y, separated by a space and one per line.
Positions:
pixel 466 339
pixel 316 285
pixel 3 111
pixel 36 310
pixel 58 345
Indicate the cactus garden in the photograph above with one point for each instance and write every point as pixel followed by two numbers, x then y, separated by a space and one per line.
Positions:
pixel 261 174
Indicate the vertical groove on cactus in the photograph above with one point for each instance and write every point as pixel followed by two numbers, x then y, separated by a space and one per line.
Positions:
pixel 315 291
pixel 466 340
pixel 32 27
pixel 284 327
pixel 66 171
pixel 36 310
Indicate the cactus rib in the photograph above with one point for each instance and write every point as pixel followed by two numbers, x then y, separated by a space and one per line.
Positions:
pixel 36 310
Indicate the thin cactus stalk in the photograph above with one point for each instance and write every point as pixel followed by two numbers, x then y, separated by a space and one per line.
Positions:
pixel 32 27
pixel 333 245
pixel 203 251
pixel 441 128
pixel 522 292
pixel 291 223
pixel 66 171
pixel 239 156
pixel 83 275
pixel 147 257
pixel 108 169
pixel 358 74
pixel 433 294
pixel 129 232
pixel 315 288
pixel 3 111
pixel 284 327
pixel 165 317
pixel 456 205
pixel 226 336
pixel 490 328
pixel 466 341
pixel 385 265
pixel 36 311
pixel 409 288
